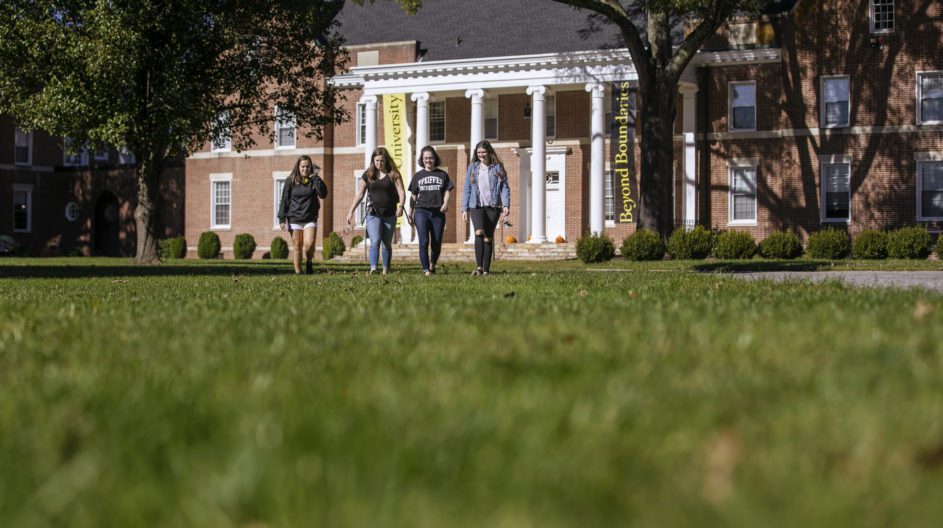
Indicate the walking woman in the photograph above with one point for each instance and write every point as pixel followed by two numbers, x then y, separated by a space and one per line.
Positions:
pixel 430 188
pixel 298 209
pixel 383 186
pixel 485 198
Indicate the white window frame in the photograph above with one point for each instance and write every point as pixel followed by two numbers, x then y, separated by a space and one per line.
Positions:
pixel 730 94
pixel 125 156
pixel 871 19
pixel 360 214
pixel 550 116
pixel 925 158
pixel 28 189
pixel 432 140
pixel 823 110
pixel 281 123
pixel 70 160
pixel 101 155
pixel 732 166
pixel 29 147
pixel 823 163
pixel 278 176
pixel 493 102
pixel 360 132
pixel 919 91
pixel 608 197
pixel 222 135
pixel 214 179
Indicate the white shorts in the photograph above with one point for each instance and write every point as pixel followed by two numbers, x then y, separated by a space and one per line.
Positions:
pixel 299 227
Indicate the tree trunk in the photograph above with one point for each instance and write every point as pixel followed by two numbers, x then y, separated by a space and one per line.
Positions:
pixel 657 113
pixel 147 213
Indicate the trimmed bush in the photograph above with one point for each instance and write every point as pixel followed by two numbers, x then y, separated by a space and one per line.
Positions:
pixel 333 246
pixel 644 244
pixel 208 246
pixel 781 245
pixel 243 246
pixel 829 243
pixel 939 247
pixel 686 244
pixel 279 248
pixel 175 247
pixel 595 248
pixel 355 241
pixel 908 243
pixel 869 244
pixel 7 245
pixel 734 245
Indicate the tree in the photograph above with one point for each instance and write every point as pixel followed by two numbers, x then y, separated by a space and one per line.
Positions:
pixel 163 77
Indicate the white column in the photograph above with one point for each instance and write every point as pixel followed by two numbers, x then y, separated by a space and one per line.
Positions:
pixel 477 96
pixel 538 165
pixel 597 214
pixel 422 119
pixel 689 195
pixel 370 142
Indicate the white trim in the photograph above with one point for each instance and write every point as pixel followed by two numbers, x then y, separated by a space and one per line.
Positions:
pixel 730 94
pixel 32 168
pixel 260 153
pixel 294 126
pixel 433 101
pixel 219 178
pixel 276 177
pixel 917 109
pixel 29 148
pixel 928 156
pixel 360 123
pixel 81 152
pixel 819 132
pixel 714 59
pixel 824 102
pixel 733 165
pixel 743 162
pixel 362 206
pixel 28 189
pixel 920 164
pixel 871 19
pixel 833 160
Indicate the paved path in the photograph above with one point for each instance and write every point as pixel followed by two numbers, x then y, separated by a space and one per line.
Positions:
pixel 932 280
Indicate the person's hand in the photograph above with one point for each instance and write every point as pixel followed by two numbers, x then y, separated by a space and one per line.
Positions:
pixel 444 208
pixel 464 216
pixel 507 211
pixel 283 226
pixel 399 210
pixel 350 217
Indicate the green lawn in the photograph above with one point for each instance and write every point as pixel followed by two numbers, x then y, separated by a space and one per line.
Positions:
pixel 235 394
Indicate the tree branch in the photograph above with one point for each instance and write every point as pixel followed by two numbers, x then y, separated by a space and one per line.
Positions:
pixel 614 11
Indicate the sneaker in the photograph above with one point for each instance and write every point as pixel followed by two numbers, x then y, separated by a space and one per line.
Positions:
pixel 309 268
pixel 427 273
pixel 373 271
pixel 477 272
pixel 385 271
pixel 484 272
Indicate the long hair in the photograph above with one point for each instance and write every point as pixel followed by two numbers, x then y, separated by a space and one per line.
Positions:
pixel 435 155
pixel 493 160
pixel 388 166
pixel 296 172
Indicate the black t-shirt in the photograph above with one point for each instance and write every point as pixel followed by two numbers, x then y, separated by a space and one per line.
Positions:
pixel 429 188
pixel 383 195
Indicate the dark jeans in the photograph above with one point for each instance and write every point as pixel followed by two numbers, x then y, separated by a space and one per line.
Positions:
pixel 429 226
pixel 484 219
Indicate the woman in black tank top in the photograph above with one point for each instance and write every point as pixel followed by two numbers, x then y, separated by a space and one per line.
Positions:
pixel 383 187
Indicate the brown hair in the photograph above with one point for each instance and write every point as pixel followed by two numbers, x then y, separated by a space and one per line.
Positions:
pixel 296 172
pixel 435 154
pixel 388 166
pixel 493 159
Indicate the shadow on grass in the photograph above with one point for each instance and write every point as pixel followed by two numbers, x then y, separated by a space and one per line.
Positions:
pixel 750 266
pixel 124 268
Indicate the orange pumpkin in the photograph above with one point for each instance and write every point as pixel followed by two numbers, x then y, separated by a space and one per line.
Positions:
pixel 561 240
pixel 510 239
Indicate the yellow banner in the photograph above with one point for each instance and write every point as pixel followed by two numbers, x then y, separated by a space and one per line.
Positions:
pixel 394 132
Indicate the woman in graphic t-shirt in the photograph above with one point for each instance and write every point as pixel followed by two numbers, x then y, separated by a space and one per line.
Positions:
pixel 485 197
pixel 430 188
pixel 383 186
pixel 298 209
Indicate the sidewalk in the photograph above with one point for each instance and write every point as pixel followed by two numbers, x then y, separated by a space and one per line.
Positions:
pixel 931 280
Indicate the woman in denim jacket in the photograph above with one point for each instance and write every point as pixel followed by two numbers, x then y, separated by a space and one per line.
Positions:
pixel 485 198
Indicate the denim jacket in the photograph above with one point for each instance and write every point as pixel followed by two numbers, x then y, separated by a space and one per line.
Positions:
pixel 500 192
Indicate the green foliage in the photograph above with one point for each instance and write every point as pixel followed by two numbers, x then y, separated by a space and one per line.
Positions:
pixel 696 243
pixel 829 243
pixel 644 244
pixel 356 240
pixel 908 243
pixel 734 245
pixel 208 246
pixel 279 248
pixel 781 245
pixel 333 246
pixel 243 246
pixel 939 247
pixel 869 244
pixel 595 248
pixel 173 248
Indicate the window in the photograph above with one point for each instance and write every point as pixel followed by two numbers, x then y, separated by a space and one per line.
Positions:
pixel 284 129
pixel 125 156
pixel 361 124
pixel 836 106
pixel 222 134
pixel 74 155
pixel 360 216
pixel 279 179
pixel 101 154
pixel 882 16
pixel 436 121
pixel 491 118
pixel 930 190
pixel 22 208
pixel 551 115
pixel 836 192
pixel 929 98
pixel 742 106
pixel 609 198
pixel 22 147
pixel 221 200
pixel 742 200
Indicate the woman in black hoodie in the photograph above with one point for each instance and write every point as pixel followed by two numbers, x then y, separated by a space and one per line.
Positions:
pixel 298 209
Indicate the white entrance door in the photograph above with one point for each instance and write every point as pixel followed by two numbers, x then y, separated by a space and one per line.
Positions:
pixel 556 196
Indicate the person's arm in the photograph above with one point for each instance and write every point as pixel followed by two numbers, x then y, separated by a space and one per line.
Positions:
pixel 448 192
pixel 357 199
pixel 505 192
pixel 402 193
pixel 319 186
pixel 283 204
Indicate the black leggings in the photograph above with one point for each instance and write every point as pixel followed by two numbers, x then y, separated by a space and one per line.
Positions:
pixel 484 219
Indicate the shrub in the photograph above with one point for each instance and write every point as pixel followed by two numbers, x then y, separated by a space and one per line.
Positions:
pixel 939 247
pixel 7 245
pixel 696 243
pixel 595 248
pixel 333 246
pixel 278 248
pixel 734 245
pixel 243 246
pixel 869 244
pixel 175 247
pixel 781 245
pixel 644 244
pixel 208 247
pixel 908 243
pixel 356 240
pixel 829 244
